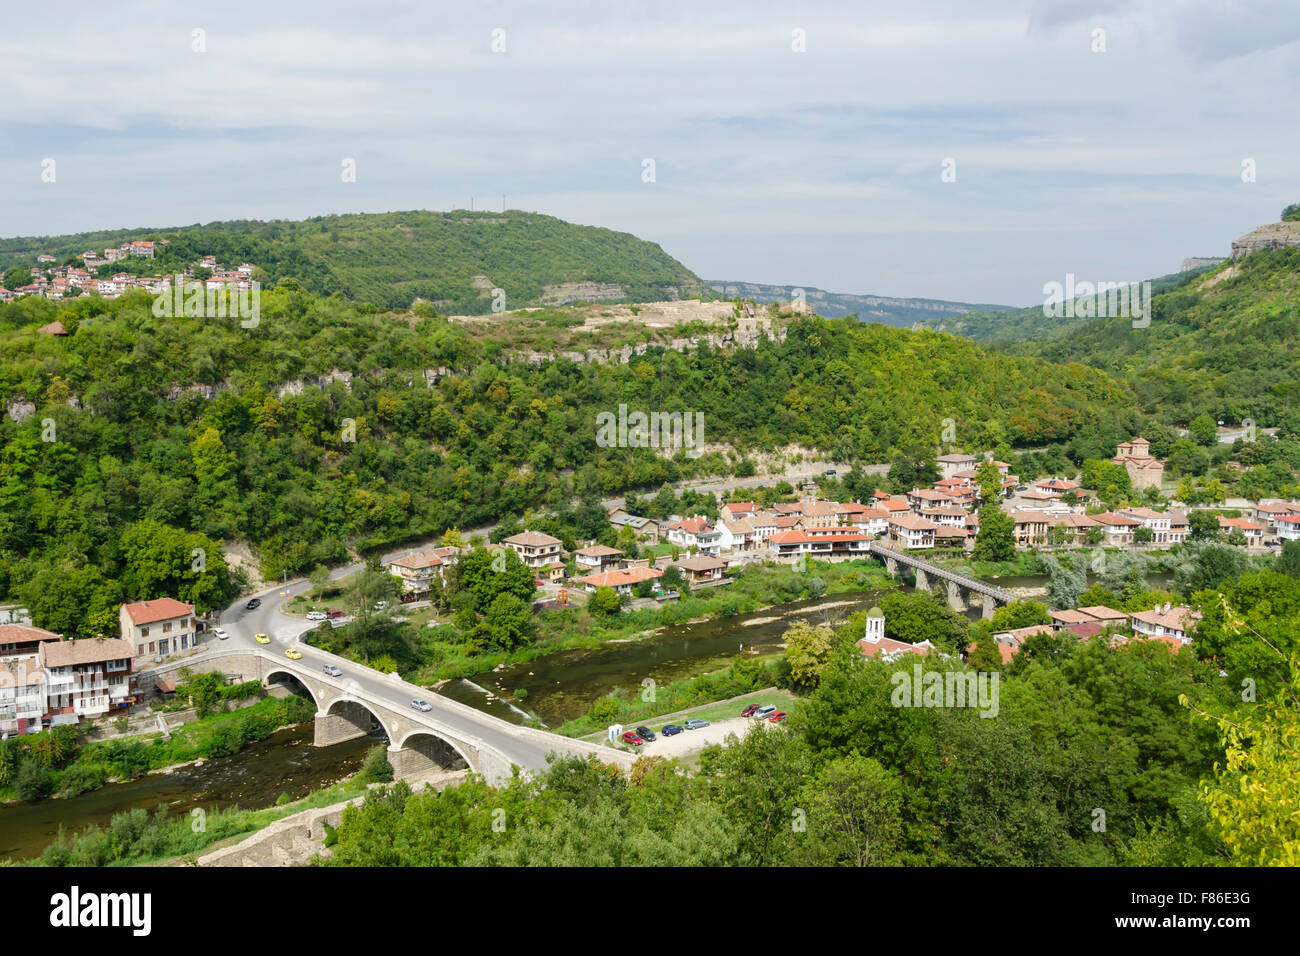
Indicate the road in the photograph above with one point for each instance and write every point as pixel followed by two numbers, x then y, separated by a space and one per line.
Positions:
pixel 525 747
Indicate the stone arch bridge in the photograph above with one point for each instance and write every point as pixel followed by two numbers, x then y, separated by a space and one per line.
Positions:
pixel 959 586
pixel 449 737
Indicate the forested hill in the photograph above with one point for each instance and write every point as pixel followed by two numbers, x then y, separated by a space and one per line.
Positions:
pixel 1031 323
pixel 454 259
pixel 265 457
pixel 1225 344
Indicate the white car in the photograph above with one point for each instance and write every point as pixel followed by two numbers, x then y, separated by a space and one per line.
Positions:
pixel 221 632
pixel 315 615
pixel 379 606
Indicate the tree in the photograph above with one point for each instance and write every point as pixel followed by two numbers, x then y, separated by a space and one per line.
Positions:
pixel 1288 562
pixel 996 538
pixel 985 658
pixel 1203 430
pixel 989 481
pixel 508 622
pixel 1204 526
pixel 854 815
pixel 1143 535
pixel 16 277
pixel 368 587
pixel 486 574
pixel 604 602
pixel 1067 580
pixel 807 649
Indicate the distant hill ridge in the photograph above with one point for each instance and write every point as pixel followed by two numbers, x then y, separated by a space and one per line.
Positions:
pixel 889 310
pixel 454 259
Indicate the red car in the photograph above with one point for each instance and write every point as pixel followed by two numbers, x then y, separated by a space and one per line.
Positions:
pixel 776 716
pixel 632 738
pixel 331 615
pixel 749 711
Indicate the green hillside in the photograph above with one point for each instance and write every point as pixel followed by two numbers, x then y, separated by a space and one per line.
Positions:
pixel 1224 344
pixel 391 259
pixel 1018 325
pixel 262 457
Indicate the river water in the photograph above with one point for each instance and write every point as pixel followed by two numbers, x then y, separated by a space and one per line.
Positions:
pixel 285 762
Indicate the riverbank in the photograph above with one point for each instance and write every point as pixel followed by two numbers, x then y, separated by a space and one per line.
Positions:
pixel 61 764
pixel 756 587
pixel 280 771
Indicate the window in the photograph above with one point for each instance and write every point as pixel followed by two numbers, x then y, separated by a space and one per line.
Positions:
pixel 167 627
pixel 144 632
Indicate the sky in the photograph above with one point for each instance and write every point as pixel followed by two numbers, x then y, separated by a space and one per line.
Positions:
pixel 974 150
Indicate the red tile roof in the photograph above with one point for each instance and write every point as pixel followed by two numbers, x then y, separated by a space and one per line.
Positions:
pixel 159 609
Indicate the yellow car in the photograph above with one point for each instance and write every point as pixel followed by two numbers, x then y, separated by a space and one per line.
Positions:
pixel 293 654
pixel 262 639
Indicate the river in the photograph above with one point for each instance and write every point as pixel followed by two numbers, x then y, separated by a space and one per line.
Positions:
pixel 285 762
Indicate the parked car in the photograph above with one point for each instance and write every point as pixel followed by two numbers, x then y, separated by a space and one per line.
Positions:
pixel 333 614
pixel 332 670
pixel 695 724
pixel 776 716
pixel 261 639
pixel 254 604
pixel 829 473
pixel 749 711
pixel 380 605
pixel 315 615
pixel 421 705
pixel 645 733
pixel 763 711
pixel 221 632
pixel 671 730
pixel 293 654
pixel 631 738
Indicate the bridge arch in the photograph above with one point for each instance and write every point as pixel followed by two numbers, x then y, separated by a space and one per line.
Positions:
pixel 295 682
pixel 346 718
pixel 423 751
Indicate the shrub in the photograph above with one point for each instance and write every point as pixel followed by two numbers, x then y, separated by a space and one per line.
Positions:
pixel 376 768
pixel 32 780
pixel 603 710
pixel 81 778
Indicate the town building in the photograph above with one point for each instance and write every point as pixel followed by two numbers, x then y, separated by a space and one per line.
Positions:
pixel 158 628
pixel 86 678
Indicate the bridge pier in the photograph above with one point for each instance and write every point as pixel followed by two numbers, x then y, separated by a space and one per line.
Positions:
pixel 954 597
pixel 892 567
pixel 922 581
pixel 990 606
pixel 347 722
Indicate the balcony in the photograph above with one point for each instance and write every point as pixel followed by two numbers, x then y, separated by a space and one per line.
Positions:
pixel 90 706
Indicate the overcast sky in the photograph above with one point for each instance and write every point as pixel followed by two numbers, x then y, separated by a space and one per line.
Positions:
pixel 821 167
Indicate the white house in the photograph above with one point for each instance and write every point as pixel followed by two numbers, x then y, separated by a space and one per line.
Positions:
pixel 158 628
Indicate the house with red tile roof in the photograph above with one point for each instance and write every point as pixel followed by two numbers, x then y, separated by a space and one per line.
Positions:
pixel 910 531
pixel 158 628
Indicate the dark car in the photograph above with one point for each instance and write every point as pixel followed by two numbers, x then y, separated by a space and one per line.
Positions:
pixel 645 733
pixel 671 730
pixel 830 472
pixel 631 738
pixel 254 604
